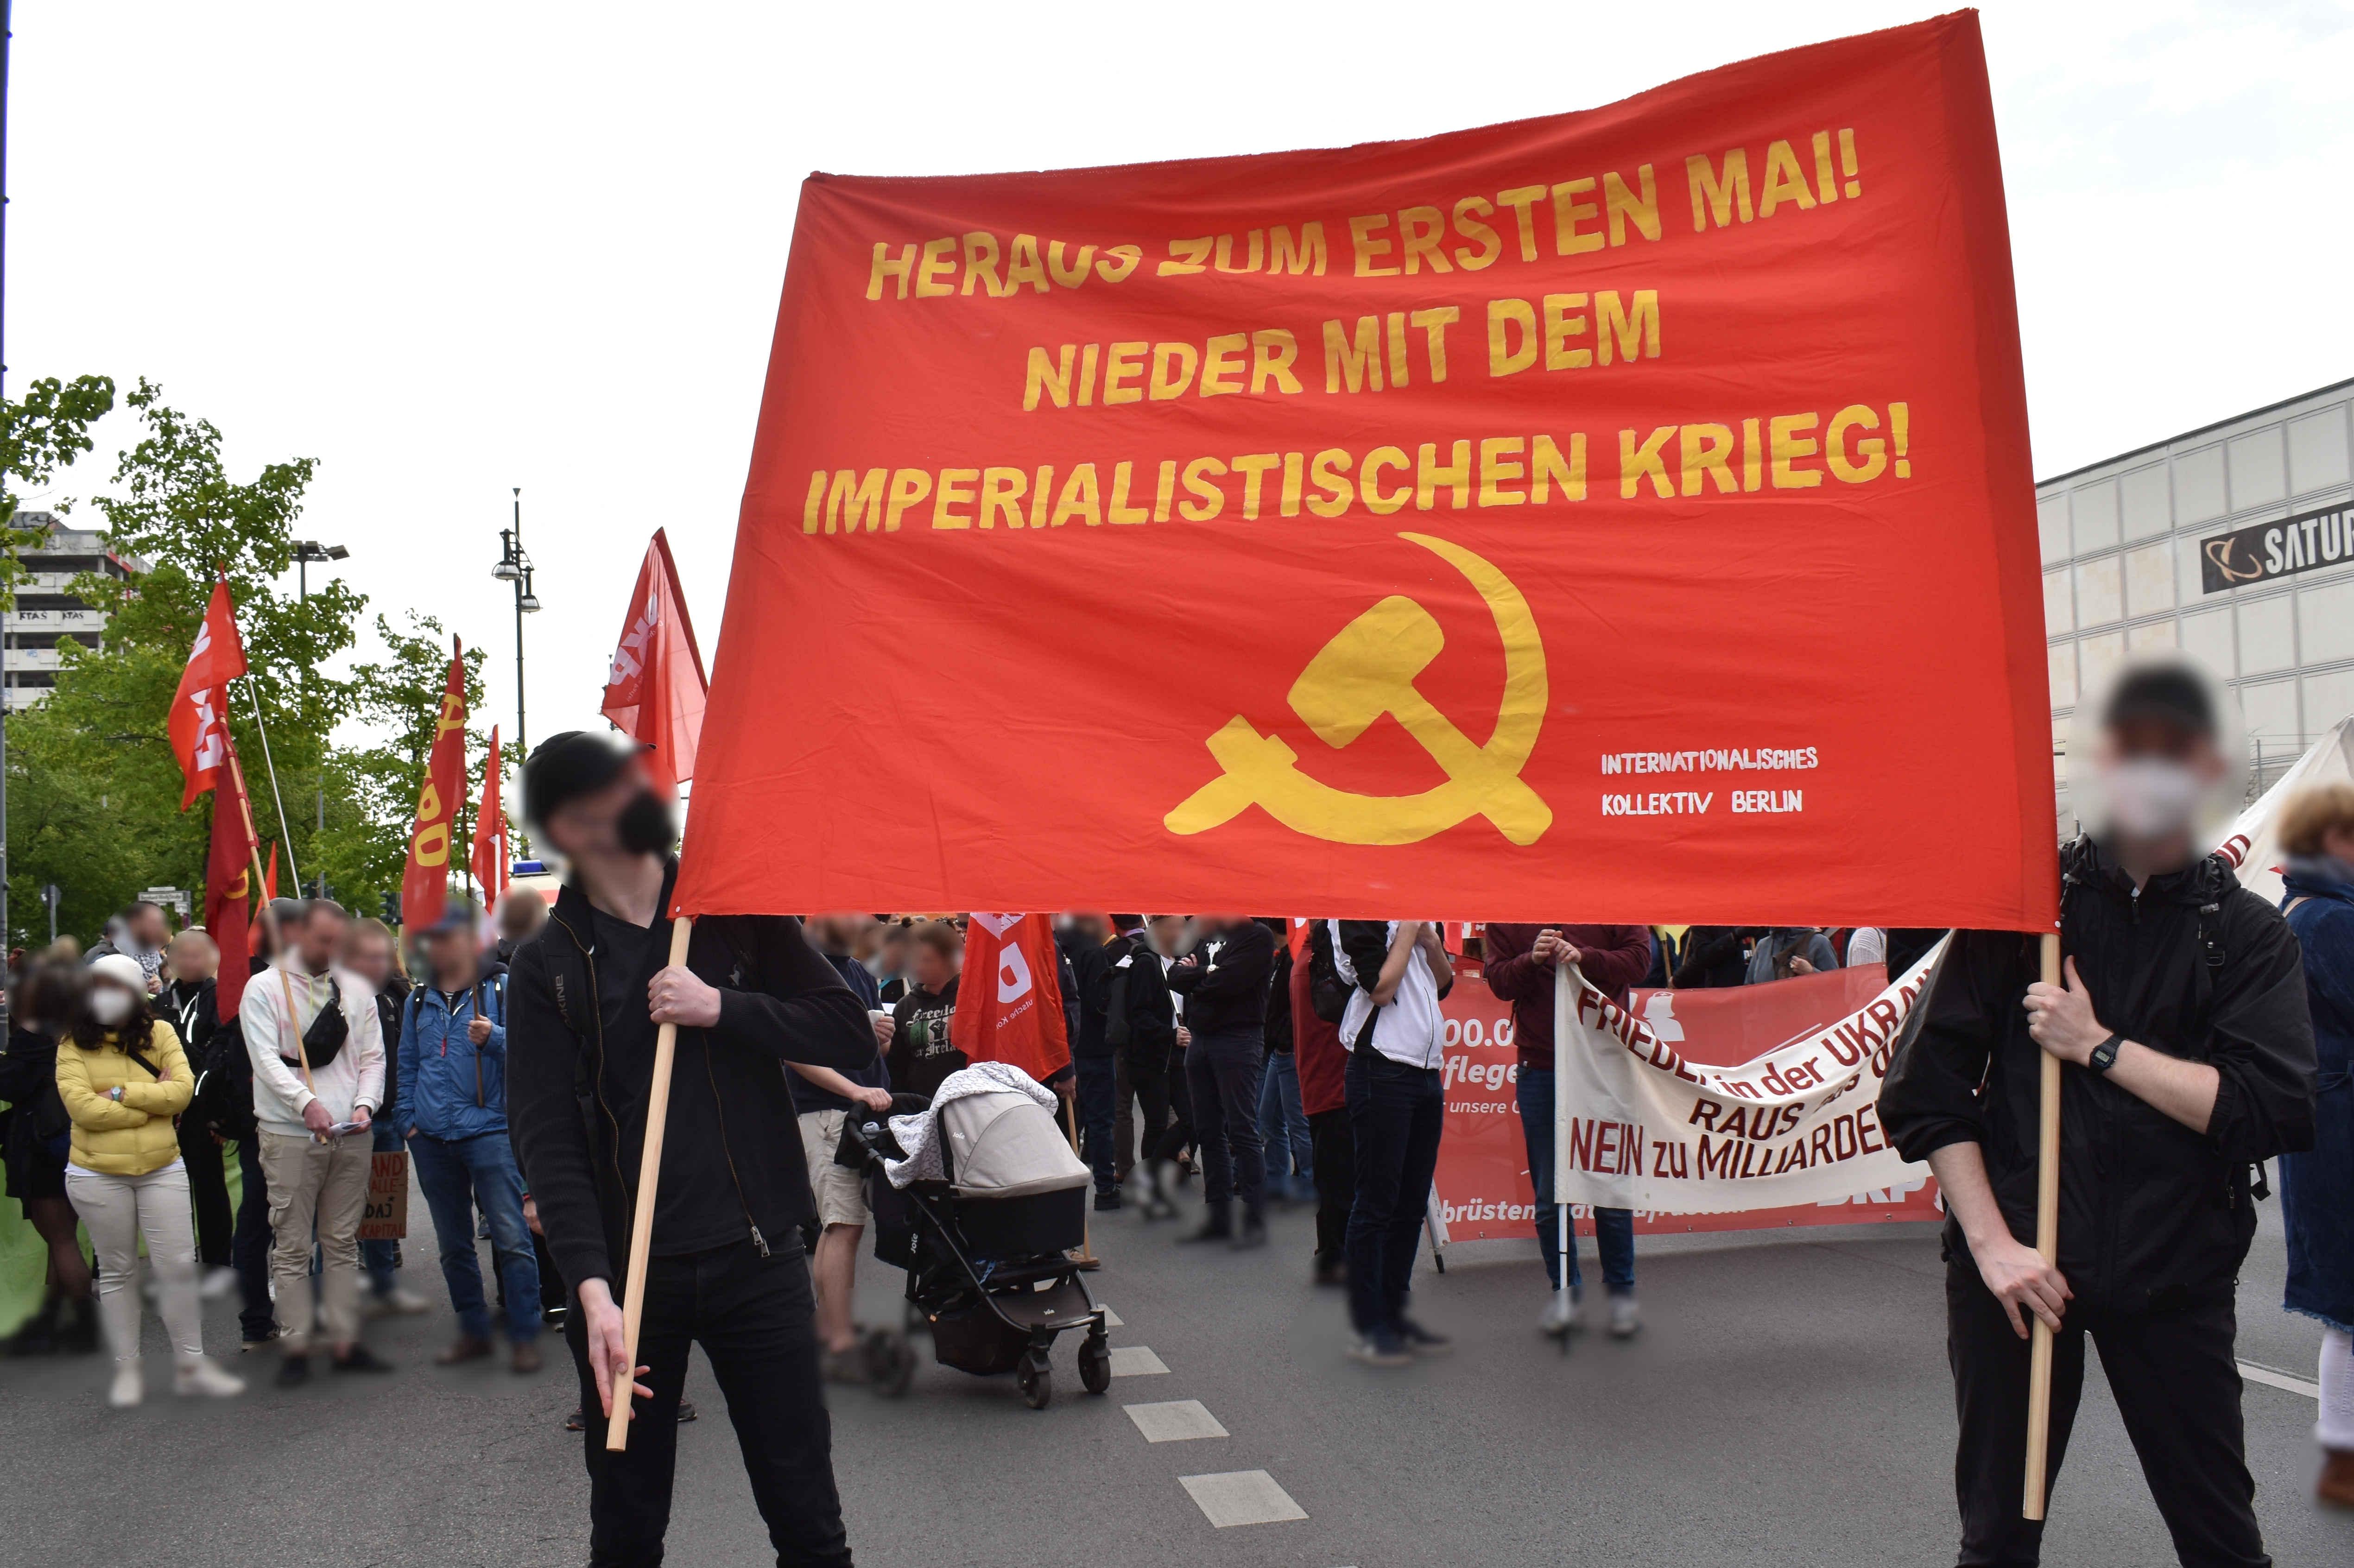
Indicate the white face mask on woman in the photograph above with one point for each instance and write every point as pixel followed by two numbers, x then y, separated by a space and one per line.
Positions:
pixel 2153 796
pixel 110 1004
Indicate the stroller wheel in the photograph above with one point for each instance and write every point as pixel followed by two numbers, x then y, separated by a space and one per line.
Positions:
pixel 890 1363
pixel 1037 1380
pixel 1095 1363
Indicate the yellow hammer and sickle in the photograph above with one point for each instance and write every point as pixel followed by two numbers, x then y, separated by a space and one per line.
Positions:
pixel 1368 669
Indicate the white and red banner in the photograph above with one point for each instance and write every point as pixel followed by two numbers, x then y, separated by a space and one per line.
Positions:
pixel 655 690
pixel 1010 1003
pixel 1734 1035
pixel 198 724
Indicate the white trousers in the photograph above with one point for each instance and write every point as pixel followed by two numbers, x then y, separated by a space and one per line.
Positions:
pixel 118 1210
pixel 2336 1428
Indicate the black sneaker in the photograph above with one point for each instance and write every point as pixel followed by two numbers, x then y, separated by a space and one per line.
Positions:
pixel 293 1371
pixel 360 1359
pixel 1107 1201
pixel 1421 1340
pixel 1381 1348
pixel 1331 1271
pixel 1217 1227
pixel 1252 1233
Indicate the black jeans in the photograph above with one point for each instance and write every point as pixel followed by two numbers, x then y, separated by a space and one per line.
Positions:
pixel 2176 1386
pixel 1141 1082
pixel 250 1247
pixel 1395 1115
pixel 1335 1154
pixel 1095 1076
pixel 754 1317
pixel 208 1193
pixel 1222 1073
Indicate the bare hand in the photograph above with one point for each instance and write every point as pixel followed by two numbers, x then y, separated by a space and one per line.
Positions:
pixel 874 1100
pixel 478 1031
pixel 1184 1037
pixel 1188 962
pixel 360 1118
pixel 677 995
pixel 530 1211
pixel 609 1350
pixel 316 1118
pixel 1799 966
pixel 2018 1276
pixel 2061 1019
pixel 1553 949
pixel 885 1027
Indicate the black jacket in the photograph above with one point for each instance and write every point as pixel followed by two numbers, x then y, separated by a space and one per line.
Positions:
pixel 578 1115
pixel 2196 966
pixel 1091 969
pixel 1227 994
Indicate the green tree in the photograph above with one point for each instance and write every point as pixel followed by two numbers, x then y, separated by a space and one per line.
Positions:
pixel 94 788
pixel 40 434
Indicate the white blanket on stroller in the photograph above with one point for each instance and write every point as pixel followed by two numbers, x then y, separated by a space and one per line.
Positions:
pixel 919 1134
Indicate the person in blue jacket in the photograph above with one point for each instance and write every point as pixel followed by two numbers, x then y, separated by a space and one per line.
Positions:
pixel 453 1106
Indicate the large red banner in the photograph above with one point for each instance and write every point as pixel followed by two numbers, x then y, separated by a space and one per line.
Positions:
pixel 1514 518
pixel 1484 1186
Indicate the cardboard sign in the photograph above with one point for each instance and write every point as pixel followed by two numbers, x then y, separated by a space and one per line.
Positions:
pixel 386 1218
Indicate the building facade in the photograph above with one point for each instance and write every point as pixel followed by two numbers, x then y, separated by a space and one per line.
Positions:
pixel 46 613
pixel 2235 544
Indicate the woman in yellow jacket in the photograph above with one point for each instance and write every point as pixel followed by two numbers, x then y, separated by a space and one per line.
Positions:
pixel 123 1078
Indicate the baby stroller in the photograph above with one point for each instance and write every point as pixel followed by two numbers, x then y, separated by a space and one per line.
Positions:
pixel 983 1246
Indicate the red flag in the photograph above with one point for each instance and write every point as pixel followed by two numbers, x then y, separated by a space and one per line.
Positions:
pixel 490 853
pixel 229 880
pixel 199 718
pixel 1297 938
pixel 270 877
pixel 1010 1006
pixel 655 693
pixel 425 883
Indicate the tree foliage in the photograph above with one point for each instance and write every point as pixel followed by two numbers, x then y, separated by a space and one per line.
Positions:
pixel 40 434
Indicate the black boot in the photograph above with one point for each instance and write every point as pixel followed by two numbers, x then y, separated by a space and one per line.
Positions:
pixel 77 1327
pixel 38 1337
pixel 1254 1231
pixel 1218 1226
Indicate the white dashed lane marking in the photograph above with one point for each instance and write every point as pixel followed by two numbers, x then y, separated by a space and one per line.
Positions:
pixel 2272 1378
pixel 1136 1361
pixel 1111 1318
pixel 1177 1421
pixel 1241 1497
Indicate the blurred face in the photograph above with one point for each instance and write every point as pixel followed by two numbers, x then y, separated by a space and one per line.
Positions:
pixel 1166 931
pixel 589 827
pixel 147 927
pixel 522 915
pixel 193 957
pixel 112 1003
pixel 932 969
pixel 451 955
pixel 841 933
pixel 320 940
pixel 2156 778
pixel 368 955
pixel 892 955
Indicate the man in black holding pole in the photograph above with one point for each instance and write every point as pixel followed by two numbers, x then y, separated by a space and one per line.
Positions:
pixel 2188 1058
pixel 728 1268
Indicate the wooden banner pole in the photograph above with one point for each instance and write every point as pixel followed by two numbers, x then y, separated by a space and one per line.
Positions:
pixel 642 1224
pixel 1563 1014
pixel 1087 1225
pixel 2047 1244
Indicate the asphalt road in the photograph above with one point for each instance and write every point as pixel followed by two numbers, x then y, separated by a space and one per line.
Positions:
pixel 1785 1403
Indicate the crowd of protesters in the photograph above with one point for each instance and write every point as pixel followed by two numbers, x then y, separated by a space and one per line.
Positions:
pixel 1272 1061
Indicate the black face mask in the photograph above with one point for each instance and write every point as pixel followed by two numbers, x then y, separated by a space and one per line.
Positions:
pixel 644 826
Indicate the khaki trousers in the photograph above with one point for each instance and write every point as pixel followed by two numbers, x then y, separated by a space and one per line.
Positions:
pixel 322 1186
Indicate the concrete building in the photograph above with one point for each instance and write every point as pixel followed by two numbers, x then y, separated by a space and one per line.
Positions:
pixel 46 612
pixel 2233 543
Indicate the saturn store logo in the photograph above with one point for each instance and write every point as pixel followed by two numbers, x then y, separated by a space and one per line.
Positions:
pixel 2263 551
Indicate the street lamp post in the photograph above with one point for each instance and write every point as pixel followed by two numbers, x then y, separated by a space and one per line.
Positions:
pixel 305 552
pixel 514 566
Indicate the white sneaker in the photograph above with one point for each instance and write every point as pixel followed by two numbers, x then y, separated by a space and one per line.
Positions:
pixel 217 1283
pixel 203 1375
pixel 130 1384
pixel 1624 1317
pixel 397 1302
pixel 1560 1314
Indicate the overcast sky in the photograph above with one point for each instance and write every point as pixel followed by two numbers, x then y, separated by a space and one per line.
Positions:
pixel 453 249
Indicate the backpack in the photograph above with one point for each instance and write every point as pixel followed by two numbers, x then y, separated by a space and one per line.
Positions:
pixel 223 1097
pixel 1328 994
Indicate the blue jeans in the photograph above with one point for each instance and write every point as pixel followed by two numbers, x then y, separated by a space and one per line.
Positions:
pixel 1614 1229
pixel 1395 1116
pixel 457 1176
pixel 1096 1076
pixel 1283 1127
pixel 376 1256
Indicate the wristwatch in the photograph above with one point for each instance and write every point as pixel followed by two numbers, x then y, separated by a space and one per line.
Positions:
pixel 2105 1054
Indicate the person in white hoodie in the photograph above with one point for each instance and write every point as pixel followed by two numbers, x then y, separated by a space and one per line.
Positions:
pixel 317 1048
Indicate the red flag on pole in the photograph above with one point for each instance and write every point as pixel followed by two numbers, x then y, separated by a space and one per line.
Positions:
pixel 228 880
pixel 425 883
pixel 490 852
pixel 199 719
pixel 270 877
pixel 655 693
pixel 1009 1005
